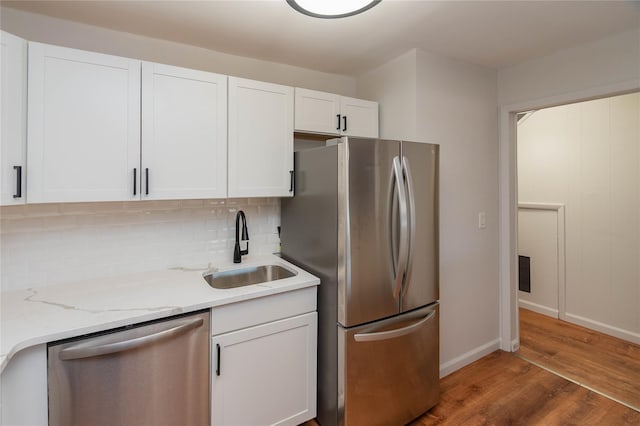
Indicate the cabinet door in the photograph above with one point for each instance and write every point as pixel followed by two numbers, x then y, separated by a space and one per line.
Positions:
pixel 13 110
pixel 184 133
pixel 83 127
pixel 361 117
pixel 265 375
pixel 260 139
pixel 317 112
pixel 23 388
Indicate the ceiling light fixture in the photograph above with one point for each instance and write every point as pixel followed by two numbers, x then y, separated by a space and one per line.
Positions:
pixel 332 8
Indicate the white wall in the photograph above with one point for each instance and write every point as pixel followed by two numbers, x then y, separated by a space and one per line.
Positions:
pixel 605 62
pixel 587 156
pixel 604 67
pixel 393 85
pixel 45 29
pixel 456 108
pixel 453 104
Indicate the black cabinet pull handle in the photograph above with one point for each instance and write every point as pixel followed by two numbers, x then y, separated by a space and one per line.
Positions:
pixel 338 115
pixel 146 177
pixel 344 120
pixel 18 170
pixel 291 179
pixel 135 181
pixel 217 359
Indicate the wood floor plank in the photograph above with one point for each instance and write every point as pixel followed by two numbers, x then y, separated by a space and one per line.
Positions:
pixel 503 389
pixel 518 392
pixel 601 362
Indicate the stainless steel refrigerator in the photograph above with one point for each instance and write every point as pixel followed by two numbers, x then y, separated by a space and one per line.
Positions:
pixel 364 218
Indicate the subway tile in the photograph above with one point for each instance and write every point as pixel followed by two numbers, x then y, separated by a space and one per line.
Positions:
pixel 68 242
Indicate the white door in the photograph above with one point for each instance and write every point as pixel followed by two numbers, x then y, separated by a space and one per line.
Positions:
pixel 265 375
pixel 317 112
pixel 13 112
pixel 260 139
pixel 538 238
pixel 359 117
pixel 83 127
pixel 184 133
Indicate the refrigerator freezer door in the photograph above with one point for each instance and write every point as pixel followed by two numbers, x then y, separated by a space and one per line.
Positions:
pixel 420 163
pixel 389 370
pixel 365 197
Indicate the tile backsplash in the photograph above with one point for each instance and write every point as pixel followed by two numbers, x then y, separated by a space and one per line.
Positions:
pixel 45 244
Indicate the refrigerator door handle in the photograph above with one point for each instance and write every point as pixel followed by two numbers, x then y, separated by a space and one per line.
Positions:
pixel 402 207
pixel 412 221
pixel 390 334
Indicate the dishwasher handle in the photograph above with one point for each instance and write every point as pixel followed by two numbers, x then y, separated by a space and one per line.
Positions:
pixel 111 344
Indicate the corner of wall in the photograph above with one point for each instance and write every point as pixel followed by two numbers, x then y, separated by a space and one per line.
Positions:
pixel 393 85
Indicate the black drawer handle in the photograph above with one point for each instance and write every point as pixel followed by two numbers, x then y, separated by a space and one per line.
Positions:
pixel 146 174
pixel 344 120
pixel 217 359
pixel 338 115
pixel 291 180
pixel 18 170
pixel 135 181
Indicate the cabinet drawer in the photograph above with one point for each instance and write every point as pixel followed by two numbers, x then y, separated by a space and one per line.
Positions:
pixel 236 316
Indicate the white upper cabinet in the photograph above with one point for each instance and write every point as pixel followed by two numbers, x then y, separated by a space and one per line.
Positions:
pixel 359 117
pixel 317 112
pixel 326 113
pixel 84 125
pixel 260 139
pixel 184 133
pixel 13 128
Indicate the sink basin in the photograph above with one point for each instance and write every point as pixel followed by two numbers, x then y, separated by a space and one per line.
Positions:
pixel 247 276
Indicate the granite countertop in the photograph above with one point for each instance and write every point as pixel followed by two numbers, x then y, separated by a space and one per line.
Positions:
pixel 39 315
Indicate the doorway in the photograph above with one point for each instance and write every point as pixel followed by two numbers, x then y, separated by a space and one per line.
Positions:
pixel 578 180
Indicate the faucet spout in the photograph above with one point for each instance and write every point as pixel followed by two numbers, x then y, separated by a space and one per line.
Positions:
pixel 237 252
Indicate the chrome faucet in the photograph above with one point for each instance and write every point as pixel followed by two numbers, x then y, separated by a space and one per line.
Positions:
pixel 237 253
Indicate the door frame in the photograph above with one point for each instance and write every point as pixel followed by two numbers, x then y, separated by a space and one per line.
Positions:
pixel 508 198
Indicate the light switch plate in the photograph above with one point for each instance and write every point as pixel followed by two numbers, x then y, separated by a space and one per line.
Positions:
pixel 482 220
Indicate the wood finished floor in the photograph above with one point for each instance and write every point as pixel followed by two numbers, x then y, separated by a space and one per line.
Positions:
pixel 503 389
pixel 596 360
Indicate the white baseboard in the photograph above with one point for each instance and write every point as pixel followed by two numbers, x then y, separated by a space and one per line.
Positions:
pixel 604 328
pixel 467 358
pixel 541 309
pixel 515 345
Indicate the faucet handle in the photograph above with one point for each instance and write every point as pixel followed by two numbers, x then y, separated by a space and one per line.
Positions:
pixel 237 252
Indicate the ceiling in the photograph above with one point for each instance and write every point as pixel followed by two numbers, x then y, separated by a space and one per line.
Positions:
pixel 491 33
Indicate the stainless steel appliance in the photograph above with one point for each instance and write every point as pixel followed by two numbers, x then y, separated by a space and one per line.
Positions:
pixel 153 374
pixel 364 218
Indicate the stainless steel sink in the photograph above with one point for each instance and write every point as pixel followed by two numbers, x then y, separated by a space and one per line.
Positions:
pixel 247 276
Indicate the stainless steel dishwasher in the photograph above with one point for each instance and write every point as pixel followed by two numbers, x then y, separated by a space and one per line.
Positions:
pixel 155 373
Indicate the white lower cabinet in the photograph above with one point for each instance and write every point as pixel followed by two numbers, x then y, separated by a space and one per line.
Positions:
pixel 23 388
pixel 265 374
